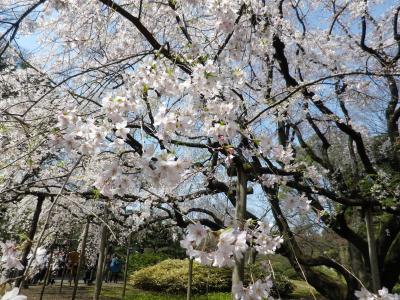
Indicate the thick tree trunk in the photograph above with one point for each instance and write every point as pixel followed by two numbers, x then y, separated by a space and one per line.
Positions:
pixel 327 286
pixel 390 271
pixel 240 217
pixel 373 257
pixel 358 265
pixel 81 258
pixel 31 236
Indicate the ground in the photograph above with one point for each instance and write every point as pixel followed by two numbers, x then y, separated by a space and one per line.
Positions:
pixel 113 291
pixel 52 292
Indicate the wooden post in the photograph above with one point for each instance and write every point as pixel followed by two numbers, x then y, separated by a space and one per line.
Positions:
pixel 100 263
pixel 240 217
pixel 190 280
pixel 62 277
pixel 64 270
pixel 31 235
pixel 373 257
pixel 126 269
pixel 81 257
pixel 106 269
pixel 48 272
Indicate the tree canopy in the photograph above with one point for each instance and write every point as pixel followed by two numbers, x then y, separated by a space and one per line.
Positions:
pixel 245 117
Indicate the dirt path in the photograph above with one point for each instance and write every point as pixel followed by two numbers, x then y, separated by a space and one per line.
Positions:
pixel 52 292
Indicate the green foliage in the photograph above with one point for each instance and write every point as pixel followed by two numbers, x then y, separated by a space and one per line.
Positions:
pixel 160 239
pixel 138 261
pixel 303 290
pixel 330 273
pixel 171 275
pixel 282 266
pixel 282 285
pixel 396 289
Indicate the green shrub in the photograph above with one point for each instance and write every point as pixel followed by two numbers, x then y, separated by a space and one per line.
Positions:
pixel 282 285
pixel 330 273
pixel 292 274
pixel 281 265
pixel 139 261
pixel 170 276
pixel 396 289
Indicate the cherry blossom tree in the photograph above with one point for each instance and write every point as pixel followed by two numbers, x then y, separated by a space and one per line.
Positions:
pixel 168 104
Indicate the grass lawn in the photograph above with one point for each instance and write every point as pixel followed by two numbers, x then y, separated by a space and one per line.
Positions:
pixel 114 291
pixel 111 291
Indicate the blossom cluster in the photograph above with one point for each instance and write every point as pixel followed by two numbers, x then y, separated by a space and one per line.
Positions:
pixel 40 260
pixel 258 290
pixel 89 135
pixel 383 294
pixel 9 258
pixel 231 243
pixel 13 295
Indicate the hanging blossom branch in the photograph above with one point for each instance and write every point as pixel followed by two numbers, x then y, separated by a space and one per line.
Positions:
pixel 41 236
pixel 231 244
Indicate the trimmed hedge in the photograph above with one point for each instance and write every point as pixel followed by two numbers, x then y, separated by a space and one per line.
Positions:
pixel 170 276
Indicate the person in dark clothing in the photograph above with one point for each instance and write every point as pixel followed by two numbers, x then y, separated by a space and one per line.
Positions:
pixel 115 268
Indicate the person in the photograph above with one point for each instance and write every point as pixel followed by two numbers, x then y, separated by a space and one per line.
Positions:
pixel 72 265
pixel 115 268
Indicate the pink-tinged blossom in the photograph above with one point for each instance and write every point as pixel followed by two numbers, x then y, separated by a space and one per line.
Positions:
pixel 364 294
pixel 164 168
pixel 222 131
pixel 264 242
pixel 283 155
pixel 238 290
pixel 188 245
pixel 299 204
pixel 13 295
pixel 196 233
pixel 231 243
pixel 383 294
pixel 240 245
pixel 204 258
pixel 122 131
pixel 40 261
pixel 267 245
pixel 9 258
pixel 223 257
pixel 259 290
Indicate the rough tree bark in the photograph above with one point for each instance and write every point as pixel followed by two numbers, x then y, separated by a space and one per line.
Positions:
pixel 373 257
pixel 81 257
pixel 240 217
pixel 31 236
pixel 100 263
